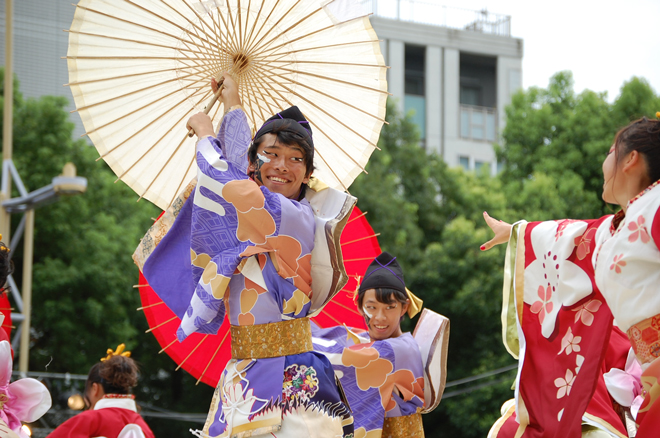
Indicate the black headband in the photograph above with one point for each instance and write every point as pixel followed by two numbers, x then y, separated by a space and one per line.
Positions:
pixel 384 272
pixel 300 126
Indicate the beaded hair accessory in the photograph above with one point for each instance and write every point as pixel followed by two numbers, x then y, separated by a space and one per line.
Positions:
pixel 119 352
pixel 120 396
pixel 3 248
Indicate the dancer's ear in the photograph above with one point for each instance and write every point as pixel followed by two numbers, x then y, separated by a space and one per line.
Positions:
pixel 404 308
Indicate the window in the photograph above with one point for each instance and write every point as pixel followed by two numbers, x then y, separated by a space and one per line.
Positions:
pixel 470 95
pixel 464 162
pixel 415 59
pixel 478 80
pixel 479 165
pixel 478 97
pixel 414 99
pixel 418 106
pixel 478 123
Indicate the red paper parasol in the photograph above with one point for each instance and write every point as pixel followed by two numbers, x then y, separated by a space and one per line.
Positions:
pixel 205 356
pixel 5 309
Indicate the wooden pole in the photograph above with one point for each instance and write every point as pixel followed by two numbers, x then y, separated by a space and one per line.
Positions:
pixel 8 118
pixel 26 289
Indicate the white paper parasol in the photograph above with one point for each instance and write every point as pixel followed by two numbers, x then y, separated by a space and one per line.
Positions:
pixel 139 68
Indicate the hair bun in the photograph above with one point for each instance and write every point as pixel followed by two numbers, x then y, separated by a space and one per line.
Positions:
pixel 120 373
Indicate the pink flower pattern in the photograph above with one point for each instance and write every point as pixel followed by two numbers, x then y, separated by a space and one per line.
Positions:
pixel 544 305
pixel 570 343
pixel 565 384
pixel 639 231
pixel 585 312
pixel 617 264
pixel 552 281
pixel 562 226
pixel 583 243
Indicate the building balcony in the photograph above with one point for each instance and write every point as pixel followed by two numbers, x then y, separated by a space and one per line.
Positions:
pixel 478 123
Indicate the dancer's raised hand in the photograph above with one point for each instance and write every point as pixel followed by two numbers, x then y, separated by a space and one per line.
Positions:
pixel 229 94
pixel 201 124
pixel 501 229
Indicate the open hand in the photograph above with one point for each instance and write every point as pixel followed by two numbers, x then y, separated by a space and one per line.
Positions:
pixel 501 229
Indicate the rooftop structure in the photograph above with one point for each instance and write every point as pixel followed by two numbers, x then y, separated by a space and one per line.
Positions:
pixel 456 69
pixel 434 14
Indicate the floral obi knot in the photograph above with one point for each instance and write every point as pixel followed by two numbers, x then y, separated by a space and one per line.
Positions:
pixel 275 339
pixel 645 339
pixel 409 426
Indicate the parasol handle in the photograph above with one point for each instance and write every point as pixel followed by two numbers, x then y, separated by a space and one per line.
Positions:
pixel 212 102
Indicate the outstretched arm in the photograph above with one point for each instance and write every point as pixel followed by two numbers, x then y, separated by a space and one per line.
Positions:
pixel 501 229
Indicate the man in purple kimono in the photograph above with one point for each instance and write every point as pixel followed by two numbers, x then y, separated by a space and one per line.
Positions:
pixel 241 245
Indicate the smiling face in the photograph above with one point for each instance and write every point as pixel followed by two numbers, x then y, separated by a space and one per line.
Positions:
pixel 281 168
pixel 383 319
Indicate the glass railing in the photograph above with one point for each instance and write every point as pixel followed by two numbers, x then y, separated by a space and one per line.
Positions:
pixel 478 123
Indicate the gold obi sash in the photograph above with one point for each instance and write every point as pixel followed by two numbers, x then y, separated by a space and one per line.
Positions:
pixel 645 339
pixel 271 340
pixel 409 426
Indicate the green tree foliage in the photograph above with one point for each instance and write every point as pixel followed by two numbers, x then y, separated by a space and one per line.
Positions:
pixel 555 143
pixel 83 296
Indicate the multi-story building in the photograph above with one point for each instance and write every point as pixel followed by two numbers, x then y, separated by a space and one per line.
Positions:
pixel 40 42
pixel 455 68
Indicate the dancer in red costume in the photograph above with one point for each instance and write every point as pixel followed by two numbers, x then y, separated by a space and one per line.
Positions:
pixel 560 274
pixel 111 410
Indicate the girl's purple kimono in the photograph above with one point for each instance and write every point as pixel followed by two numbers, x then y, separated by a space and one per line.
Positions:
pixel 380 378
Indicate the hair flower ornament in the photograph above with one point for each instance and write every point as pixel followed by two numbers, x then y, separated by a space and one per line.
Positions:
pixel 24 400
pixel 119 352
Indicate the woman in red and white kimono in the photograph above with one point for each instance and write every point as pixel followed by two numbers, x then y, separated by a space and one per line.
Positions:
pixel 112 412
pixel 560 274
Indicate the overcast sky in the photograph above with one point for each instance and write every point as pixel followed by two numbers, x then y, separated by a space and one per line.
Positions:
pixel 603 43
